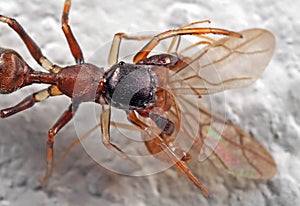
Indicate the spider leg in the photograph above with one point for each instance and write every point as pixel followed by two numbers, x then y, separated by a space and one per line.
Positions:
pixel 143 53
pixel 60 123
pixel 159 142
pixel 32 47
pixel 73 44
pixel 86 135
pixel 115 46
pixel 30 100
pixel 105 127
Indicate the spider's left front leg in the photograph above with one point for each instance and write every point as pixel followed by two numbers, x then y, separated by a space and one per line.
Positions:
pixel 116 43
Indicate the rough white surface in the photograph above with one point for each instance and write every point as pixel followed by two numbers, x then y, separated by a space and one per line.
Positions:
pixel 269 108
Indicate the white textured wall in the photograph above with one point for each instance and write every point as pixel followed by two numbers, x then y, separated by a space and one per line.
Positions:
pixel 269 108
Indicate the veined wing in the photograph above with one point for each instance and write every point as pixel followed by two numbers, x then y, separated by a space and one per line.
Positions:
pixel 224 143
pixel 228 63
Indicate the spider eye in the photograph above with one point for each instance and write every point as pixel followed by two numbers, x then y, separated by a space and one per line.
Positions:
pixel 121 63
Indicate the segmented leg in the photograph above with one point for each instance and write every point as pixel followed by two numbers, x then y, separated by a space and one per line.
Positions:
pixel 86 135
pixel 159 142
pixel 143 53
pixel 33 48
pixel 60 123
pixel 105 127
pixel 30 101
pixel 115 46
pixel 207 40
pixel 73 44
pixel 177 38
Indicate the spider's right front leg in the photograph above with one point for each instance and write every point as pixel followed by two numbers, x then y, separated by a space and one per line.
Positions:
pixel 105 127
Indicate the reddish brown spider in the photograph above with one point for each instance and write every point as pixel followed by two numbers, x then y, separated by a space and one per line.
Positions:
pixel 149 90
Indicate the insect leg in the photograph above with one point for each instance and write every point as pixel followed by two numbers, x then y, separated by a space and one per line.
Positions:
pixel 143 53
pixel 33 48
pixel 30 101
pixel 60 123
pixel 156 139
pixel 73 44
pixel 177 38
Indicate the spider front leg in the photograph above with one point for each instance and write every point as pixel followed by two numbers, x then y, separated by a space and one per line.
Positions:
pixel 161 145
pixel 73 44
pixel 61 122
pixel 115 46
pixel 105 129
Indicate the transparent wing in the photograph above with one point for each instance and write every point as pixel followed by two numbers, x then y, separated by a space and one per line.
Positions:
pixel 224 143
pixel 225 64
